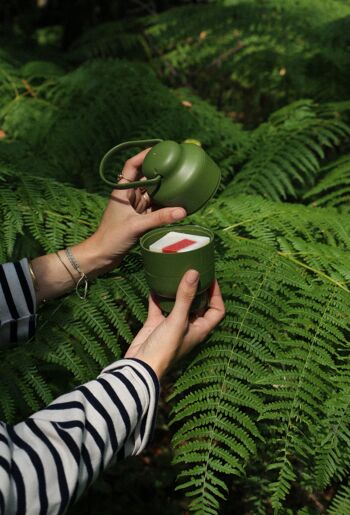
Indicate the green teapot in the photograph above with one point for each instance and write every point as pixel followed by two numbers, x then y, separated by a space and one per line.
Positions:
pixel 176 174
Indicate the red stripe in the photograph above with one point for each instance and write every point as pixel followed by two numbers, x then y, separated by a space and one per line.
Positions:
pixel 175 247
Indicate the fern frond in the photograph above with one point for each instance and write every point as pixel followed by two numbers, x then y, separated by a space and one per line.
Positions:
pixel 265 55
pixel 334 189
pixel 341 502
pixel 217 403
pixel 80 337
pixel 302 379
pixel 69 126
pixel 315 239
pixel 286 152
pixel 332 437
pixel 113 39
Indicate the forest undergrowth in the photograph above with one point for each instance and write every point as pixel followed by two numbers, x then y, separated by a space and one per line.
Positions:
pixel 257 419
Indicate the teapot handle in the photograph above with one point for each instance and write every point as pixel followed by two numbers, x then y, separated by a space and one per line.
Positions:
pixel 114 150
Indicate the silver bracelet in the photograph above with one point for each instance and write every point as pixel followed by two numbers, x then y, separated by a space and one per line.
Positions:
pixel 83 281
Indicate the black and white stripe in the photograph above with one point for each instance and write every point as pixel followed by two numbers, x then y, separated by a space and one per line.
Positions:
pixel 48 460
pixel 17 303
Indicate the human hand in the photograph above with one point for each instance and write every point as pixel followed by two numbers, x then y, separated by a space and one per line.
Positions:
pixel 127 216
pixel 162 340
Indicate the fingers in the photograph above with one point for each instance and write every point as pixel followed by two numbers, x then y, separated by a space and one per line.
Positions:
pixel 200 327
pixel 158 218
pixel 216 300
pixel 142 201
pixel 216 311
pixel 185 294
pixel 132 166
pixel 131 172
pixel 153 308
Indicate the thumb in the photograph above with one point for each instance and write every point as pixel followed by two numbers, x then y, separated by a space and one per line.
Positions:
pixel 160 217
pixel 185 294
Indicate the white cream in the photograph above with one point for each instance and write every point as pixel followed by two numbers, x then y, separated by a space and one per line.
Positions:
pixel 175 242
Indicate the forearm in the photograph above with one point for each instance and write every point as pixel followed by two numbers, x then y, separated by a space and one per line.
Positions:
pixel 76 437
pixel 55 275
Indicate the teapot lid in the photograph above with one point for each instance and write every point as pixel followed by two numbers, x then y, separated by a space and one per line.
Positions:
pixel 189 177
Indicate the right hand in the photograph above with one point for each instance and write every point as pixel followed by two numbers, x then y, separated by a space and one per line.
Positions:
pixel 128 215
pixel 162 340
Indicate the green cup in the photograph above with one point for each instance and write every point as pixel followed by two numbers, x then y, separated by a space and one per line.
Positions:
pixel 164 271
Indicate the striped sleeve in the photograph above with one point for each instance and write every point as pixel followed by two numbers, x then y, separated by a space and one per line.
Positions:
pixel 17 303
pixel 48 460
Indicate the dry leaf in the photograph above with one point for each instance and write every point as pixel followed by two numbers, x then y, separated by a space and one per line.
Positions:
pixel 282 72
pixel 203 34
pixel 235 115
pixel 186 103
pixel 2 134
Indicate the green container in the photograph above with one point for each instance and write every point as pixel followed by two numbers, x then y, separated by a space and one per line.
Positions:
pixel 181 175
pixel 164 271
pixel 176 174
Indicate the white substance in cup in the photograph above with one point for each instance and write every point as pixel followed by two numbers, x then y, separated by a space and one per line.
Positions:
pixel 174 242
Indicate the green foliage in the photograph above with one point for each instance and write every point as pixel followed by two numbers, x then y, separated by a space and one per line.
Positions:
pixel 341 502
pixel 108 39
pixel 270 371
pixel 332 435
pixel 265 53
pixel 79 337
pixel 69 122
pixel 285 152
pixel 334 189
pixel 260 414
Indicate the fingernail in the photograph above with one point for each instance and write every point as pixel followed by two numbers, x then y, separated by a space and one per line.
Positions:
pixel 192 276
pixel 178 214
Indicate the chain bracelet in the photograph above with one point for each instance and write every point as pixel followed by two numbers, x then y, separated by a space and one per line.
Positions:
pixel 83 281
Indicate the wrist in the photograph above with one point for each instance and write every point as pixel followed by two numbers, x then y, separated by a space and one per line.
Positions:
pixel 52 280
pixel 159 366
pixel 92 259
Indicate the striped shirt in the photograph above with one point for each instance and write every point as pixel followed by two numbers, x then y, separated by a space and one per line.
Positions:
pixel 17 303
pixel 49 459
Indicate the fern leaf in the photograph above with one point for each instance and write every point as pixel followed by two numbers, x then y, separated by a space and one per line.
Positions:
pixel 341 502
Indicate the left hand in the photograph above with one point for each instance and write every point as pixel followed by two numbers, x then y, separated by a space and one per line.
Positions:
pixel 127 216
pixel 162 339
